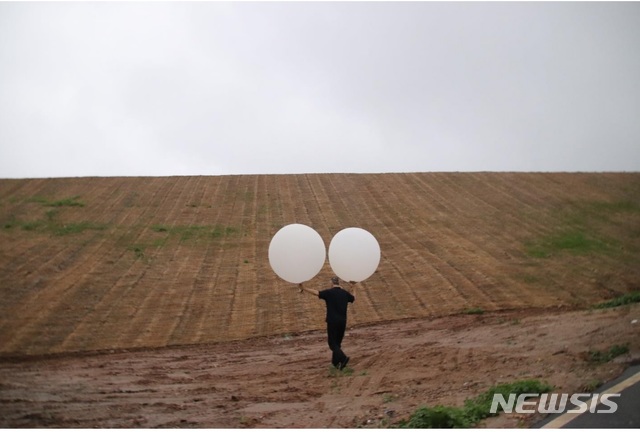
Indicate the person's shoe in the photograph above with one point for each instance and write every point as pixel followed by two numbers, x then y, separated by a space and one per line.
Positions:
pixel 343 364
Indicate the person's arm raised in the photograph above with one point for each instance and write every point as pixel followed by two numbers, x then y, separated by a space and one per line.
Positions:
pixel 353 288
pixel 309 290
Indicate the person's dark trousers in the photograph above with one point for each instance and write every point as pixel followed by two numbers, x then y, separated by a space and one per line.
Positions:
pixel 335 333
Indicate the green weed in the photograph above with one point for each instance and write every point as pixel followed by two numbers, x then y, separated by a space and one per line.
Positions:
pixel 629 298
pixel 54 227
pixel 574 241
pixel 579 225
pixel 335 372
pixel 195 232
pixel 473 411
pixel 438 417
pixel 33 225
pixel 138 250
pixel 591 386
pixel 616 206
pixel 599 357
pixel 473 311
pixel 51 215
pixel 65 202
pixel 388 398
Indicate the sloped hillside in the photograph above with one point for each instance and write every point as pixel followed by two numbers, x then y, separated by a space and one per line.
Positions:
pixel 108 263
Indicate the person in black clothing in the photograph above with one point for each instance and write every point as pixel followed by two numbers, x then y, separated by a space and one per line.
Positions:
pixel 337 300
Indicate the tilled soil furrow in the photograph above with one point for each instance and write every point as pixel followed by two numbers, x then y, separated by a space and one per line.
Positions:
pixel 121 302
pixel 193 324
pixel 150 276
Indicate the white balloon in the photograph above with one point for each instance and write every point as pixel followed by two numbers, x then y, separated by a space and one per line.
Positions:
pixel 354 254
pixel 297 253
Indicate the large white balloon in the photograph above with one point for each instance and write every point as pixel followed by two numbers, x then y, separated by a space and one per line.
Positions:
pixel 297 253
pixel 354 254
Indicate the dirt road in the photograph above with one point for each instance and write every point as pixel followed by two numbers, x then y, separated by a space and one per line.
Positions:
pixel 285 381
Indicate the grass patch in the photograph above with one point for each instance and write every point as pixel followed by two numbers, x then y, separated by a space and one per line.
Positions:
pixel 334 372
pixel 581 226
pixel 629 298
pixel 38 225
pixel 438 417
pixel 65 202
pixel 599 357
pixel 195 232
pixel 138 250
pixel 473 411
pixel 473 311
pixel 591 386
pixel 576 242
pixel 51 226
pixel 627 206
pixel 388 398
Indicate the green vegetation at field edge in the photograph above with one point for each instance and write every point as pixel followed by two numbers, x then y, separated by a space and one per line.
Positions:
pixel 473 311
pixel 473 411
pixel 629 298
pixel 581 228
pixel 574 241
pixel 599 357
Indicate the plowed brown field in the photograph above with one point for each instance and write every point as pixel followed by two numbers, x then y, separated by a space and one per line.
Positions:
pixel 151 262
pixel 101 264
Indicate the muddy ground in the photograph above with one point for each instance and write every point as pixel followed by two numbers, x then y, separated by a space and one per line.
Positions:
pixel 286 381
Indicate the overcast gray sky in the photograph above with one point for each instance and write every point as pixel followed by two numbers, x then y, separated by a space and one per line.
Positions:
pixel 211 88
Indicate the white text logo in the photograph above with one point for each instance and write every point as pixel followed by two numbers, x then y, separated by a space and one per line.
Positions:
pixel 555 403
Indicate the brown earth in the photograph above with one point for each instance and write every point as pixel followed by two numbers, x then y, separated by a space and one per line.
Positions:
pixel 286 381
pixel 157 269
